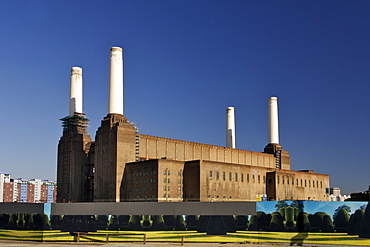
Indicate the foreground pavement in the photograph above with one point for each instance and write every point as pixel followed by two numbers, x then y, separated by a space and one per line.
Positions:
pixel 12 243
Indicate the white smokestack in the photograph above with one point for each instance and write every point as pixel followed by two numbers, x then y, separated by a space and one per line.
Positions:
pixel 273 121
pixel 115 104
pixel 75 96
pixel 230 127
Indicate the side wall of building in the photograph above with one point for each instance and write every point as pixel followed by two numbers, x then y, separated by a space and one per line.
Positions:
pixel 153 147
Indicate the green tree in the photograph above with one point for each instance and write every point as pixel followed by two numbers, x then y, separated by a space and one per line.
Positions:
pixel 327 224
pixel 263 220
pixel 241 222
pixel 289 216
pixel 253 223
pixel 29 224
pixel 303 224
pixel 158 223
pixel 341 220
pixel 56 222
pixel 277 224
pixel 344 206
pixel 192 222
pixel 101 222
pixel 316 221
pixel 280 205
pixel 365 224
pixel 134 223
pixel 146 222
pixel 355 222
pixel 180 223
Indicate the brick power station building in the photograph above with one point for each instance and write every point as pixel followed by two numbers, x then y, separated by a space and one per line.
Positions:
pixel 124 165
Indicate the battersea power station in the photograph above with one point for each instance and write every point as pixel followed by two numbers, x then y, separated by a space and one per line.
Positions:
pixel 122 165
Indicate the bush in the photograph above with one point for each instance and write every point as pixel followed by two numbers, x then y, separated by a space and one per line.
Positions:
pixel 341 220
pixel 303 224
pixel 180 223
pixel 263 220
pixel 327 224
pixel 102 222
pixel 241 222
pixel 289 216
pixel 158 223
pixel 277 224
pixel 253 223
pixel 192 222
pixel 316 221
pixel 134 223
pixel 365 224
pixel 355 222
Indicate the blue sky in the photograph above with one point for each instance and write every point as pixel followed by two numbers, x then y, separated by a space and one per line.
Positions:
pixel 185 63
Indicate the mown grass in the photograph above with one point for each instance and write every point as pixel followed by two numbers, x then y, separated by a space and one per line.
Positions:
pixel 192 236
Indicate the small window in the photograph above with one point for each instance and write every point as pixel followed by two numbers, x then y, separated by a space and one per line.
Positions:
pixel 164 172
pixel 210 174
pixel 164 188
pixel 236 177
pixel 248 178
pixel 164 180
pixel 259 179
pixel 230 176
pixel 224 176
pixel 242 177
pixel 278 179
pixel 168 172
pixel 217 175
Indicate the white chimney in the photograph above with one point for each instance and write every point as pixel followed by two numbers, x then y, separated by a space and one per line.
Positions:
pixel 75 96
pixel 273 121
pixel 115 104
pixel 230 127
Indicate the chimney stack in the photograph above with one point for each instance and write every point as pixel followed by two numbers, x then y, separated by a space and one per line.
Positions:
pixel 273 121
pixel 230 127
pixel 75 99
pixel 115 104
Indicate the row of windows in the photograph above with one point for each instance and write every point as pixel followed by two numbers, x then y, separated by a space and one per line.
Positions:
pixel 303 183
pixel 235 177
pixel 143 181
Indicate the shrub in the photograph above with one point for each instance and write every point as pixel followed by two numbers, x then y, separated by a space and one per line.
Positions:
pixel 341 220
pixel 253 223
pixel 158 223
pixel 327 224
pixel 355 222
pixel 241 222
pixel 277 224
pixel 303 224
pixel 365 224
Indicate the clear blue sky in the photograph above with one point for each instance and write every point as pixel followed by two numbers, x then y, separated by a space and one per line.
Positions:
pixel 185 63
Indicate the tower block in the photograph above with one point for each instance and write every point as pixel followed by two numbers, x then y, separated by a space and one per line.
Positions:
pixel 115 145
pixel 116 139
pixel 73 169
